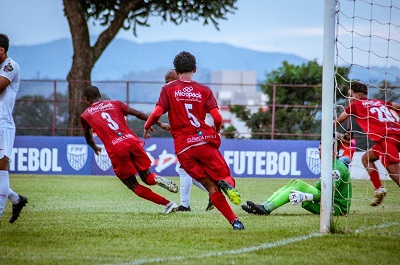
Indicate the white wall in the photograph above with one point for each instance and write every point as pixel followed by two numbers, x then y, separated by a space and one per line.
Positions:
pixel 237 88
pixel 357 170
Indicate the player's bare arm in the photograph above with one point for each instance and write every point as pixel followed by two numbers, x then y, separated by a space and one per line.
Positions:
pixel 138 114
pixel 164 126
pixel 396 106
pixel 90 141
pixel 342 139
pixel 342 117
pixel 143 116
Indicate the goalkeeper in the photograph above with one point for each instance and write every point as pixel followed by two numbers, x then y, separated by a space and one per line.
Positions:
pixel 298 191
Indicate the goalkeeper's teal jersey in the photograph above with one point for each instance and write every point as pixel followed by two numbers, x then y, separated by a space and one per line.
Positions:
pixel 342 187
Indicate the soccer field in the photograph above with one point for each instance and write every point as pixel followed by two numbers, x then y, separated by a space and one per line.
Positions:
pixel 97 220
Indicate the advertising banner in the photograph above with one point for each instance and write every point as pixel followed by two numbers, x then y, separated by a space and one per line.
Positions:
pixel 246 158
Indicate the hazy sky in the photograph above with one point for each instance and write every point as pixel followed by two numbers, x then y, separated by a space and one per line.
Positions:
pixel 289 26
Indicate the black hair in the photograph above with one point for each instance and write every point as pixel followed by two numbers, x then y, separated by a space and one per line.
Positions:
pixel 91 92
pixel 4 41
pixel 184 62
pixel 358 87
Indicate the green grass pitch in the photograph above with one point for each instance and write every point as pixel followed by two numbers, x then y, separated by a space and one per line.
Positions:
pixel 97 220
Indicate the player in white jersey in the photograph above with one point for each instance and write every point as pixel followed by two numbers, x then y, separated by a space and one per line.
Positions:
pixel 9 84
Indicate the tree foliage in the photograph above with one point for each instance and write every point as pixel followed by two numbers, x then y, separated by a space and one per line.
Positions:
pixel 114 15
pixel 175 11
pixel 230 132
pixel 34 112
pixel 294 94
pixel 35 115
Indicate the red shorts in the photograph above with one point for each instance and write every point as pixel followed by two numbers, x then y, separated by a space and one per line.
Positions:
pixel 129 159
pixel 388 150
pixel 205 161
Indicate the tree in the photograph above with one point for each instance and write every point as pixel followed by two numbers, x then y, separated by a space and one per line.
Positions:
pixel 297 107
pixel 35 115
pixel 123 14
pixel 61 112
pixel 33 112
pixel 230 132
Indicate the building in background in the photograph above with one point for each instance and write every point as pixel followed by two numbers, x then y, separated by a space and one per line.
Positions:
pixel 237 88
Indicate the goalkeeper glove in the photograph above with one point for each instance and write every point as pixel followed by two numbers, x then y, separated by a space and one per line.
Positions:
pixel 297 197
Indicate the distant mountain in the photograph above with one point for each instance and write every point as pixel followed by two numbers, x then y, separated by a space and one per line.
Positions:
pixel 375 75
pixel 124 60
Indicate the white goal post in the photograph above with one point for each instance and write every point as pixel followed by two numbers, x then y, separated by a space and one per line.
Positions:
pixel 327 114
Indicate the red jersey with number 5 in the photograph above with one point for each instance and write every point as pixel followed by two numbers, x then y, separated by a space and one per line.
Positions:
pixel 107 119
pixel 374 117
pixel 187 103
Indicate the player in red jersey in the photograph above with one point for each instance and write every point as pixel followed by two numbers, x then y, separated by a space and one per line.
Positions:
pixel 186 181
pixel 196 143
pixel 125 149
pixel 375 118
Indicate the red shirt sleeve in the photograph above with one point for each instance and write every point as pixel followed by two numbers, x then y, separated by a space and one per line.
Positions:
pixel 154 117
pixel 216 115
pixel 163 100
pixel 85 124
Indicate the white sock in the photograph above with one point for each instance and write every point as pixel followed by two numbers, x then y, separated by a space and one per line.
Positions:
pixel 199 185
pixel 4 189
pixel 13 196
pixel 186 185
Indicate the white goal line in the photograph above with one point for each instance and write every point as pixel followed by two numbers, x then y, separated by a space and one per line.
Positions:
pixel 250 249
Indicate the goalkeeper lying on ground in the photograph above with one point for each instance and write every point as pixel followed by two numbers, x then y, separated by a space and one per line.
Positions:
pixel 298 191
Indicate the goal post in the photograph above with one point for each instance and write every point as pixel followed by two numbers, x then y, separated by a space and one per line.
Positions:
pixel 327 114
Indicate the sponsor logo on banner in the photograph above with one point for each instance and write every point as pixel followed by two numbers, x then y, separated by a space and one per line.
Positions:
pixel 77 155
pixel 313 160
pixel 102 160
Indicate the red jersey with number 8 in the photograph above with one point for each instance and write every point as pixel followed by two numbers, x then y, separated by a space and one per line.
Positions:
pixel 187 103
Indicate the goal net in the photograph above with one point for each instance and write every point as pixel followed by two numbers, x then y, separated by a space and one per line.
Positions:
pixel 367 41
